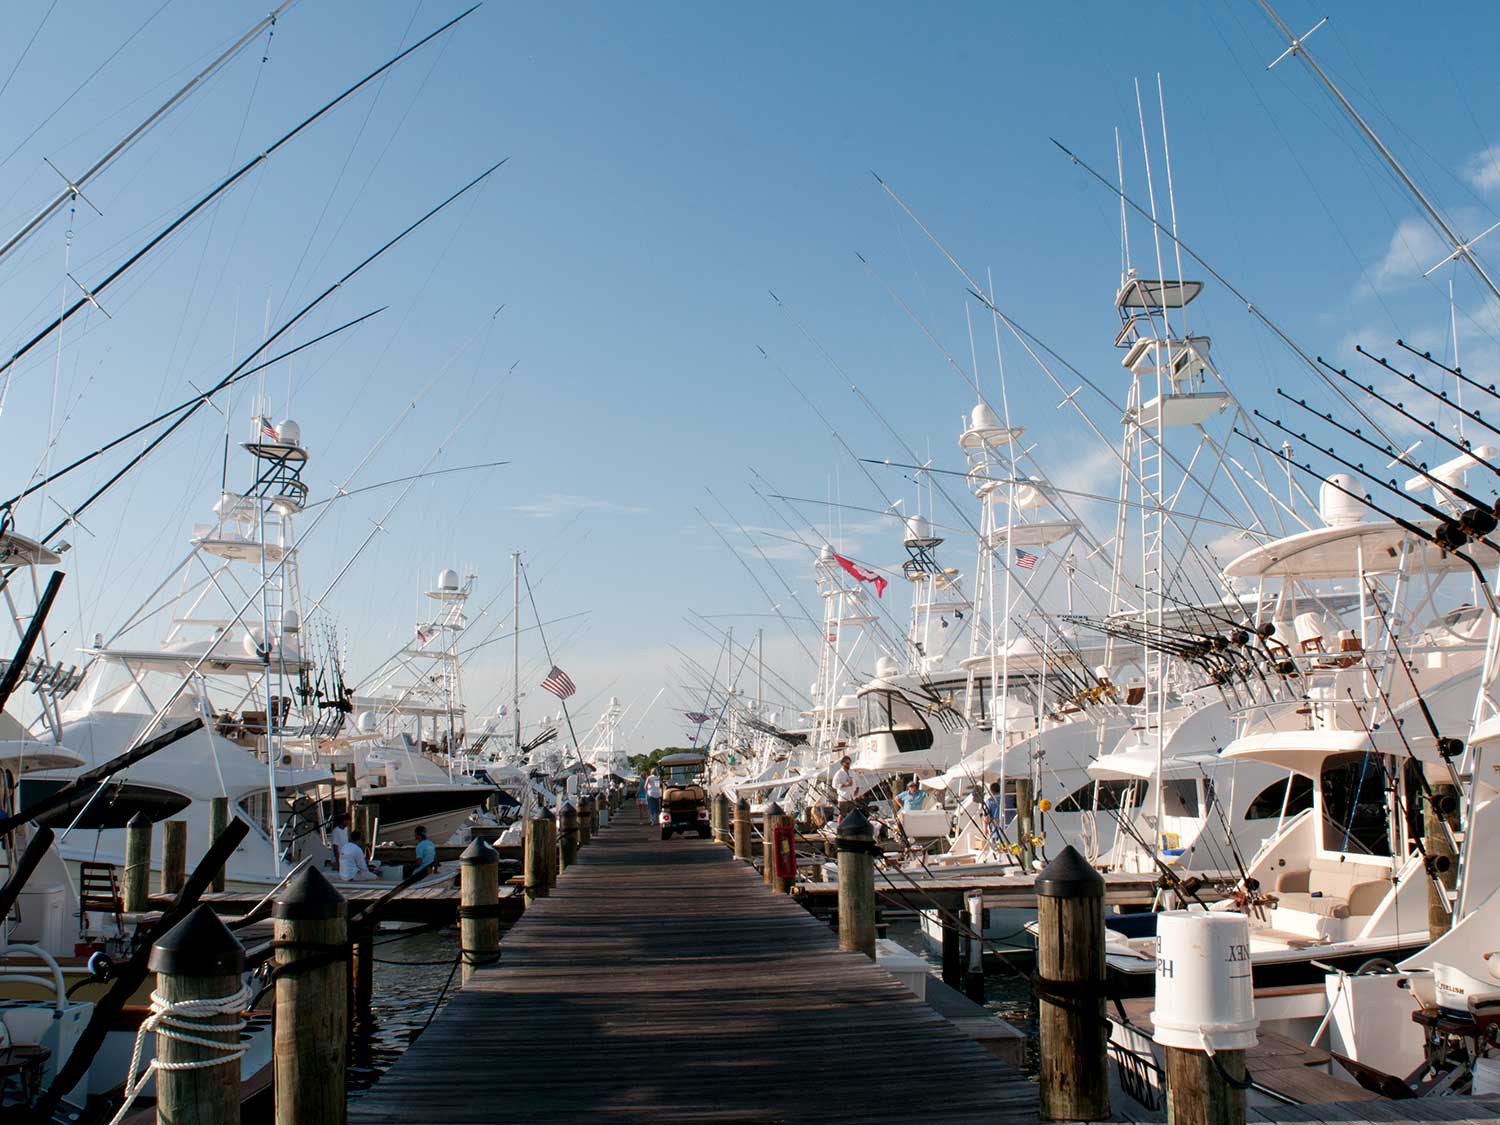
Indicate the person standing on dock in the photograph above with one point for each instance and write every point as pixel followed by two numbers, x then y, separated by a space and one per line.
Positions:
pixel 426 860
pixel 352 864
pixel 845 786
pixel 653 796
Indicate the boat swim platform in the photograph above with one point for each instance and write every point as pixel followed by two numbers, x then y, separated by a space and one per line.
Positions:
pixel 662 981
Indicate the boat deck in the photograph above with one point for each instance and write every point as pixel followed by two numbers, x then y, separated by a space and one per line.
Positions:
pixel 662 981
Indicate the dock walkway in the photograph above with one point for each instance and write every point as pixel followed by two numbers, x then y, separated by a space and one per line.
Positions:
pixel 662 982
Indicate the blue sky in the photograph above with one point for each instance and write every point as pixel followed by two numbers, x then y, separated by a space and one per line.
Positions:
pixel 670 164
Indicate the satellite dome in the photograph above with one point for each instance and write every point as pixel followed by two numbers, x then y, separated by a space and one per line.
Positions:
pixel 1028 495
pixel 983 418
pixel 885 667
pixel 614 701
pixel 1336 506
pixel 825 553
pixel 917 529
pixel 289 432
pixel 447 579
pixel 365 724
pixel 291 621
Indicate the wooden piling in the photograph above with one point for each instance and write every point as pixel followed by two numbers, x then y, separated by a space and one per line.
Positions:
pixel 585 820
pixel 549 841
pixel 218 820
pixel 1074 1080
pixel 783 821
pixel 974 941
pixel 567 836
pixel 174 841
pixel 767 859
pixel 1026 821
pixel 478 916
pixel 742 829
pixel 311 1045
pixel 724 818
pixel 137 890
pixel 361 979
pixel 856 843
pixel 1197 1093
pixel 535 855
pixel 1439 816
pixel 197 960
pixel 953 954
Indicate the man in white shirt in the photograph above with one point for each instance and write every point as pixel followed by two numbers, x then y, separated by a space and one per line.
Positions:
pixel 845 786
pixel 340 834
pixel 352 865
pixel 653 796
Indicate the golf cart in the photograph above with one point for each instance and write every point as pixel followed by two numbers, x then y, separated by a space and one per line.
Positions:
pixel 684 801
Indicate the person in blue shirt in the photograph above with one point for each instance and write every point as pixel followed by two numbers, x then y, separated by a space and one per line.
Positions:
pixel 913 798
pixel 426 854
pixel 992 814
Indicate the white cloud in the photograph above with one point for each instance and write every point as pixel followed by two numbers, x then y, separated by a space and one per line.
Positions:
pixel 561 503
pixel 1483 170
pixel 1414 248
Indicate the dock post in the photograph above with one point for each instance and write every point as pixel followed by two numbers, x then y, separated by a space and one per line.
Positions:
pixel 174 839
pixel 1197 1092
pixel 974 962
pixel 567 836
pixel 137 891
pixel 725 809
pixel 1026 821
pixel 310 1053
pixel 535 866
pixel 779 884
pixel 549 843
pixel 856 844
pixel 218 820
pixel 767 826
pixel 585 820
pixel 361 979
pixel 1441 805
pixel 953 954
pixel 1074 1078
pixel 479 898
pixel 199 960
pixel 742 829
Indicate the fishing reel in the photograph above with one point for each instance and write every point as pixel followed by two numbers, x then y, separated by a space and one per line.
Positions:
pixel 1450 748
pixel 1437 864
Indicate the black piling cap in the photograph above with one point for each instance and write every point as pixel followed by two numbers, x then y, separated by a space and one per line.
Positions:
pixel 742 803
pixel 478 853
pixel 139 820
pixel 308 897
pixel 567 809
pixel 1070 876
pixel 198 946
pixel 857 824
pixel 773 809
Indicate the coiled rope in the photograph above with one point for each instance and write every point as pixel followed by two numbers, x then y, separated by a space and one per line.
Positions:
pixel 179 1019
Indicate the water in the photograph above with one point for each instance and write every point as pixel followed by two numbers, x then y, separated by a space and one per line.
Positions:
pixel 1007 992
pixel 411 969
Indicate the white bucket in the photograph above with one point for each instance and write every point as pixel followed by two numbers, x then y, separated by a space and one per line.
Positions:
pixel 1204 997
pixel 1486 1077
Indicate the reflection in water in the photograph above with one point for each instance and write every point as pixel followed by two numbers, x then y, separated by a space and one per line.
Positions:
pixel 1006 992
pixel 403 998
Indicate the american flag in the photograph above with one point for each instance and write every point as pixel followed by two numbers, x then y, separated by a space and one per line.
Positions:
pixel 558 683
pixel 1026 560
pixel 697 717
pixel 267 430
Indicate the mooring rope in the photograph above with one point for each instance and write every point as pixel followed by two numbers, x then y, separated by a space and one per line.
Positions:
pixel 178 1019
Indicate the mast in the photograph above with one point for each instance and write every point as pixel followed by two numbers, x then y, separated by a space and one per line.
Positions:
pixel 1461 249
pixel 74 188
pixel 515 643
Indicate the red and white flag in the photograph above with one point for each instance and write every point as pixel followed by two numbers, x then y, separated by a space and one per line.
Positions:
pixel 267 430
pixel 558 683
pixel 863 574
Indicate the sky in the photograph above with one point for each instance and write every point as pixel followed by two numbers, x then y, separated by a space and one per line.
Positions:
pixel 594 313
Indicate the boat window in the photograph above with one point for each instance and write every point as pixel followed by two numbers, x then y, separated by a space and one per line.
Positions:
pixel 112 808
pixel 909 727
pixel 1113 794
pixel 1179 797
pixel 874 712
pixel 1353 787
pixel 1269 801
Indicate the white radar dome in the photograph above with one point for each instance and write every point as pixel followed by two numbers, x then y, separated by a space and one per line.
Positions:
pixel 1028 495
pixel 1336 506
pixel 917 529
pixel 825 554
pixel 291 621
pixel 289 432
pixel 885 667
pixel 447 580
pixel 365 724
pixel 983 418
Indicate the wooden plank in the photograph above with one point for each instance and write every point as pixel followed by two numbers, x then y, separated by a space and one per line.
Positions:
pixel 662 981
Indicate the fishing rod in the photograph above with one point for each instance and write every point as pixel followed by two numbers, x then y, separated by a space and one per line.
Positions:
pixel 91 293
pixel 232 379
pixel 1242 635
pixel 1450 533
pixel 1474 520
pixel 286 327
pixel 1444 545
pixel 1448 748
pixel 403 480
pixel 1456 372
pixel 1440 395
pixel 74 188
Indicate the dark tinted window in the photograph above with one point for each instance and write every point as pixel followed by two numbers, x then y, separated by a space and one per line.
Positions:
pixel 1268 802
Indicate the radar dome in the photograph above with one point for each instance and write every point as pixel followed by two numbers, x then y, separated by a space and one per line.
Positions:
pixel 983 418
pixel 291 621
pixel 365 724
pixel 1028 495
pixel 918 529
pixel 825 554
pixel 885 667
pixel 289 432
pixel 1336 506
pixel 447 580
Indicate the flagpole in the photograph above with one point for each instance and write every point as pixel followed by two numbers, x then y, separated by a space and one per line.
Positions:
pixel 547 649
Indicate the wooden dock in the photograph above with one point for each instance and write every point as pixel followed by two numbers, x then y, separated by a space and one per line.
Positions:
pixel 662 982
